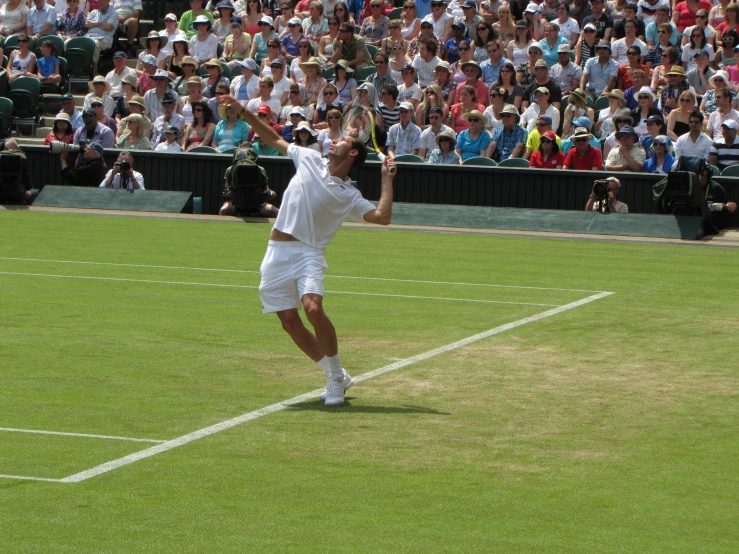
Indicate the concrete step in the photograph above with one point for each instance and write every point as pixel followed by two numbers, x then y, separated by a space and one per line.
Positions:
pixel 30 141
pixel 41 132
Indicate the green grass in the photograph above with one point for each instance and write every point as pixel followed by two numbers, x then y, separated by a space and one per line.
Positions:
pixel 607 428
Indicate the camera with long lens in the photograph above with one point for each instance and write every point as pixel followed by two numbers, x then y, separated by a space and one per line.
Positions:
pixel 56 147
pixel 600 189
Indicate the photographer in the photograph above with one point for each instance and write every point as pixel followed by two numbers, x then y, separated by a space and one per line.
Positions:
pixel 246 189
pixel 89 168
pixel 604 197
pixel 122 175
pixel 16 188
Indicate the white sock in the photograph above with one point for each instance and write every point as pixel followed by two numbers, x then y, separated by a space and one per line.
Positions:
pixel 325 365
pixel 334 364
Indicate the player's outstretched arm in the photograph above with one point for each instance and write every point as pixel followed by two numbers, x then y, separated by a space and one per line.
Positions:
pixel 268 134
pixel 383 214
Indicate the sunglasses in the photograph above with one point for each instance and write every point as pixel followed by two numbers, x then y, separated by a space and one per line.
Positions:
pixel 197 110
pixel 473 120
pixel 495 95
pixel 662 32
pixel 589 30
pixel 701 16
pixel 644 97
pixel 482 28
pixel 444 139
pixel 436 4
pixel 581 140
pixel 333 24
pixel 658 144
pixel 434 117
pixel 650 123
pixel 544 141
pixel 539 124
pixel 504 70
pixel 334 117
pixel 329 93
pixel 464 49
pixel 23 40
pixel 272 46
pixel 303 45
pixel 220 93
pixel 686 100
pixel 633 53
pixel 506 115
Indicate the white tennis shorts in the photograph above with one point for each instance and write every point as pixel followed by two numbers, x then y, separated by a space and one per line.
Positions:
pixel 289 271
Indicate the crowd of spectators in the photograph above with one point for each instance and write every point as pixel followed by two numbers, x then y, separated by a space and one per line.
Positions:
pixel 447 81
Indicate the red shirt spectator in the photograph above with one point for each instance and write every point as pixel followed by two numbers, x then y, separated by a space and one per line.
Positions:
pixel 537 160
pixel 684 14
pixel 591 160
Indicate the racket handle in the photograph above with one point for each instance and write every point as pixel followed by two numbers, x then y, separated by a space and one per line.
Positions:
pixel 382 159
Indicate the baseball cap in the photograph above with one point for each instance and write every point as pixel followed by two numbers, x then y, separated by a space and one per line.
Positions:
pixel 532 8
pixel 168 98
pixel 264 109
pixel 408 106
pixel 170 17
pixel 457 25
pixel 120 56
pixel 521 24
pixel 148 58
pixel 542 90
pixel 564 49
pixel 171 129
pixel 89 111
pixel 426 23
pixel 96 101
pixel 540 63
pixel 603 44
pixel 629 130
pixel 545 119
pixel 97 147
pixel 407 67
pixel 276 62
pixel 469 4
pixel 247 63
pixel 730 124
pixel 655 119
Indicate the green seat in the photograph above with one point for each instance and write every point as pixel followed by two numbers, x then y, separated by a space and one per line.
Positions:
pixel 372 51
pixel 365 73
pixel 731 171
pixel 372 156
pixel 601 103
pixel 79 53
pixel 58 42
pixel 328 74
pixel 409 159
pixel 204 149
pixel 6 116
pixel 234 72
pixel 514 162
pixel 395 14
pixel 228 150
pixel 479 160
pixel 25 93
pixel 219 50
pixel 716 170
pixel 11 43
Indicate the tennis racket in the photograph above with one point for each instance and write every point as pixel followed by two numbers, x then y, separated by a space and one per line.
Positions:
pixel 359 123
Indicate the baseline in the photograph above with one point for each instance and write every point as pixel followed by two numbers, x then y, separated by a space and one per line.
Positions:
pixel 83 435
pixel 228 424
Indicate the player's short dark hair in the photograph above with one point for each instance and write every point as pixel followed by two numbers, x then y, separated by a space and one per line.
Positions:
pixel 361 149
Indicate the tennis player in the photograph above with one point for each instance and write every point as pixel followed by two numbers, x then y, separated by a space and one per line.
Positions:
pixel 316 202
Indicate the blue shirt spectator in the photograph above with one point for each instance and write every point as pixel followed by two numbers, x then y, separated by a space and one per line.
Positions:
pixel 507 140
pixel 550 52
pixel 471 148
pixel 436 157
pixel 598 75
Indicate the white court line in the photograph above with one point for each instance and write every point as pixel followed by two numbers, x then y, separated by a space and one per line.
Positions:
pixel 217 428
pixel 83 435
pixel 474 301
pixel 25 478
pixel 327 276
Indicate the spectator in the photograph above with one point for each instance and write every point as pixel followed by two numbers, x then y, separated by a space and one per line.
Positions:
pixel 187 21
pixel 410 22
pixel 509 139
pixel 21 62
pixel 492 66
pixel 621 119
pixel 542 80
pixel 153 97
pixel 345 83
pixel 695 143
pixel 638 80
pixel 231 130
pixel 172 33
pixel 48 65
pixel 697 44
pixel 204 44
pixel 134 137
pixel 100 88
pixel 101 25
pixel 222 25
pixel 610 203
pixel 584 156
pixel 298 99
pixel 305 50
pixel 655 127
pixel 375 27
pixel 518 48
pixel 660 160
pixel 625 71
pixel 628 156
pixel 541 106
pixel 16 189
pixel 576 109
pixel 674 90
pixel 551 43
pixel 718 80
pixel 136 106
pixel 425 62
pixel 382 76
pixel 115 76
pixel 246 85
pixel 169 118
pixel 513 92
pixel 128 20
pixel 662 17
pixel 189 67
pixel 315 26
pixel 701 22
pixel 473 75
pixel 537 24
pixel 564 73
pixel 468 102
pixel 473 141
pixel 724 112
pixel 306 137
pixel 328 99
pixel 605 126
pixel 71 23
pixel 619 27
pixel 237 45
pixel 332 133
pixel 13 18
pixel 677 121
pixel 654 54
pixel 441 21
pixel 698 78
pixel 485 33
pixel 266 84
pixel 195 86
pixel 92 131
pixel 586 46
pixel 469 20
pixel 408 90
pixel 644 110
pixel 97 105
pixel 273 54
pixel 526 72
pixel 725 150
pixel 600 73
pixel 89 168
pixel 630 42
pixel 543 125
pixel 122 176
pixel 548 155
pixel 351 48
pixel 404 137
pixel 730 22
pixel 429 135
pixel 445 153
pixel 200 132
pixel 41 20
pixel 492 112
pixel 600 20
pixel 69 107
pixel 153 44
pixel 291 40
pixel 145 82
pixel 254 17
pixel 264 40
pixel 427 33
pixel 451 47
pixel 569 28
pixel 670 58
pixel 62 130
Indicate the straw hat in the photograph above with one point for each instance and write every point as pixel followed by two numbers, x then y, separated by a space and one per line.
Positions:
pixel 130 79
pixel 189 60
pixel 579 93
pixel 97 100
pixel 623 113
pixel 474 64
pixel 223 111
pixel 474 114
pixel 136 99
pixel 581 132
pixel 345 65
pixel 304 126
pixel 676 70
pixel 311 62
pixel 99 79
pixel 213 62
pixel 61 116
pixel 616 93
pixel 510 108
pixel 197 80
pixel 154 35
pixel 446 134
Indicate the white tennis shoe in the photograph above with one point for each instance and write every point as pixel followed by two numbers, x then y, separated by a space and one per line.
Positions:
pixel 335 389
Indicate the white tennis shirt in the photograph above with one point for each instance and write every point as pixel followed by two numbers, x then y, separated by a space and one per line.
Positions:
pixel 315 204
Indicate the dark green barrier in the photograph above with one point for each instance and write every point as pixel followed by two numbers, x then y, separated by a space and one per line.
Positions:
pixel 202 174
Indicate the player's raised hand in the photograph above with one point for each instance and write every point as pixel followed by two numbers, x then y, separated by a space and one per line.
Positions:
pixel 389 168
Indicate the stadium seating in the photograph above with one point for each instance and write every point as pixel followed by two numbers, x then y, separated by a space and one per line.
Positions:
pixel 731 171
pixel 601 103
pixel 11 43
pixel 479 160
pixel 514 162
pixel 409 159
pixel 365 73
pixel 58 42
pixel 25 93
pixel 6 116
pixel 203 150
pixel 79 53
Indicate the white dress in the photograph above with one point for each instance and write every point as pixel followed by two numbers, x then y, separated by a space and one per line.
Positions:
pixel 11 19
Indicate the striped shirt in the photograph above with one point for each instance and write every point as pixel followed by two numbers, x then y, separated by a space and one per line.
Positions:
pixel 389 116
pixel 726 154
